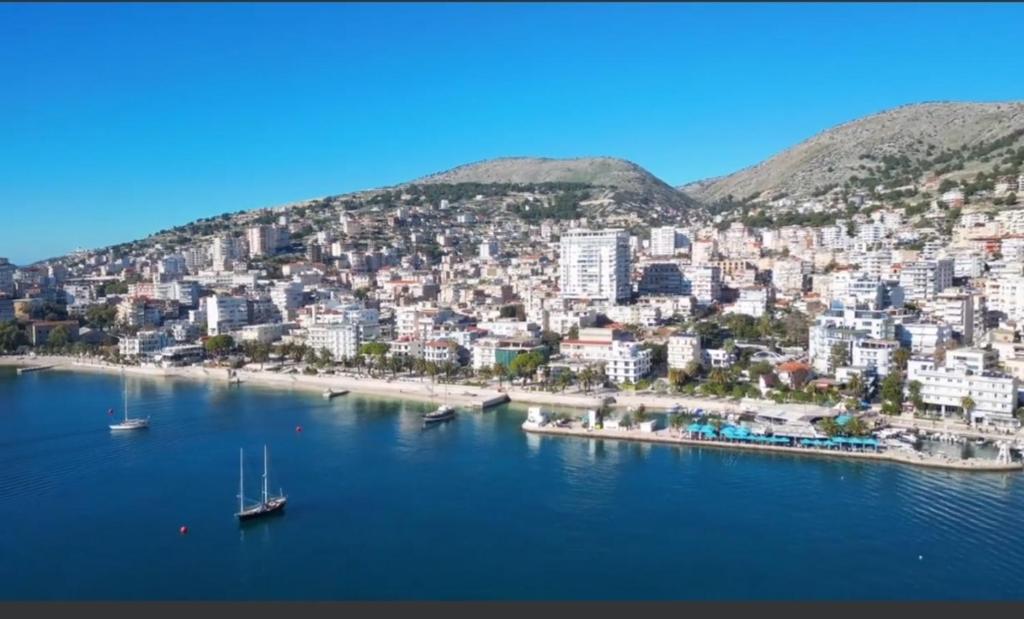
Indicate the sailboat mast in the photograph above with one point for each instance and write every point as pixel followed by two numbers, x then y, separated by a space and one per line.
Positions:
pixel 241 484
pixel 264 474
pixel 126 400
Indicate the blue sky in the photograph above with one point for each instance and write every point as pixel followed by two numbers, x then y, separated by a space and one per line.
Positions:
pixel 120 120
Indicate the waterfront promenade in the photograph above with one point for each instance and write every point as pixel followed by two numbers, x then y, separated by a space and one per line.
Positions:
pixel 672 437
pixel 423 390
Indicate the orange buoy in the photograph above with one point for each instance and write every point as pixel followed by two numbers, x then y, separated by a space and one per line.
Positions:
pixel 183 530
pixel 298 428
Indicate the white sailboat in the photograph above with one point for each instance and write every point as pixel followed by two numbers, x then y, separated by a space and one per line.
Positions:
pixel 268 504
pixel 129 423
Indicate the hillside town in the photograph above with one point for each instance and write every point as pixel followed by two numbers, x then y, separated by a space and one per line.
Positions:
pixel 871 304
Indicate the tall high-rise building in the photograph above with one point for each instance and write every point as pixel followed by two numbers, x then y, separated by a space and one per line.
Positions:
pixel 225 314
pixel 664 241
pixel 594 265
pixel 489 249
pixel 925 279
pixel 266 240
pixel 6 277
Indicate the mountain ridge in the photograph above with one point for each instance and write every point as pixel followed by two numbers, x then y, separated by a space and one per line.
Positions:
pixel 918 132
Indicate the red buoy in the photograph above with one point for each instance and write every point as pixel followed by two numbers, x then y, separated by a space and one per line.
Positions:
pixel 298 428
pixel 183 530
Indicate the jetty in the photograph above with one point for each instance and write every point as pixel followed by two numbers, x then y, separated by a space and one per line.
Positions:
pixel 497 400
pixel 33 368
pixel 333 393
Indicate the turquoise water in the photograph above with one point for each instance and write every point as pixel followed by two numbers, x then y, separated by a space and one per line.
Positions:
pixel 381 509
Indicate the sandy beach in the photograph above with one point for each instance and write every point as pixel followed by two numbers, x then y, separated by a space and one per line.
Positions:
pixel 420 389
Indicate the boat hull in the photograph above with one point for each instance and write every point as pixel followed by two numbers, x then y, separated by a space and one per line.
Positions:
pixel 274 506
pixel 131 425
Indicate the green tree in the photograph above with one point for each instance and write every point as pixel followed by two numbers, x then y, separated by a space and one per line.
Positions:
pixel 220 345
pixel 855 385
pixel 968 404
pixel 11 336
pixel 830 427
pixel 839 355
pixel 892 389
pixel 914 389
pixel 101 316
pixel 525 365
pixel 551 340
pixel 574 333
pixel 900 357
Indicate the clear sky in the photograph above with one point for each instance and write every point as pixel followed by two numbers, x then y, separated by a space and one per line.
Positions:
pixel 120 120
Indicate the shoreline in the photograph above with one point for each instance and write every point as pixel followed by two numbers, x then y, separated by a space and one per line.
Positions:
pixel 663 437
pixel 420 391
pixel 461 395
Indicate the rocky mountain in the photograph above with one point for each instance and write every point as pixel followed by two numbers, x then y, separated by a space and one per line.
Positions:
pixel 890 148
pixel 624 180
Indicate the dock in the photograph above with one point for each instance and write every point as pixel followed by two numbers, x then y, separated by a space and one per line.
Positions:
pixel 33 368
pixel 333 393
pixel 494 401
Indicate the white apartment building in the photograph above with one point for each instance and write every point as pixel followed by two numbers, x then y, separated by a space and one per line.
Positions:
pixel 705 283
pixel 225 314
pixel 341 339
pixel 874 354
pixel 143 344
pixel 489 249
pixel 923 280
pixel 995 395
pixel 265 333
pixel 407 347
pixel 683 349
pixel 286 297
pixel 172 265
pixel 664 241
pixel 644 315
pixel 752 301
pixel 844 327
pixel 225 250
pixel 441 351
pixel 976 360
pixel 924 337
pixel 266 240
pixel 790 276
pixel 623 360
pixel 877 264
pixel 595 265
pixel 956 309
pixel 704 251
pixel 1006 295
pixel 627 362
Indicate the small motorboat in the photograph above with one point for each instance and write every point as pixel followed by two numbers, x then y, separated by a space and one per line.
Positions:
pixel 443 413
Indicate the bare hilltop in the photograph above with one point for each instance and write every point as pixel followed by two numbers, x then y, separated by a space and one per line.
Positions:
pixel 891 147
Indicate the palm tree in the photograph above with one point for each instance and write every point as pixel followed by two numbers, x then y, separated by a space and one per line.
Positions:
pixel 829 426
pixel 855 385
pixel 968 404
pixel 586 376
